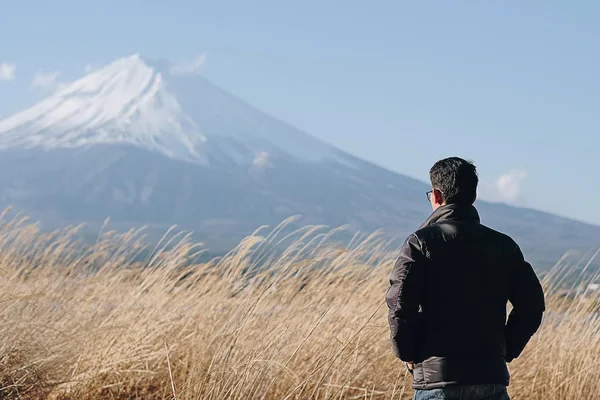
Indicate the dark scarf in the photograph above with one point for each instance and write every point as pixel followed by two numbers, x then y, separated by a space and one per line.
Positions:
pixel 453 212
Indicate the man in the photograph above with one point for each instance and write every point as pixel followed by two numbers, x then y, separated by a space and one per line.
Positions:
pixel 449 292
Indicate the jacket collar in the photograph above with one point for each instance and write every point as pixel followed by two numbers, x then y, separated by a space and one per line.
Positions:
pixel 453 212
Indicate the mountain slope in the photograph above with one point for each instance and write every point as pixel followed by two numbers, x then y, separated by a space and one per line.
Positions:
pixel 131 142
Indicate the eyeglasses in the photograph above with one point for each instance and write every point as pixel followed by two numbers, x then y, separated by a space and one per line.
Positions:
pixel 429 193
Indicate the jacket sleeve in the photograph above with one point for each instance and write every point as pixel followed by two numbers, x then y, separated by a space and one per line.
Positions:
pixel 403 299
pixel 527 298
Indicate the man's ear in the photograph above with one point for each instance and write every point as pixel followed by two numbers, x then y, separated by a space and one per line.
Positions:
pixel 475 198
pixel 438 197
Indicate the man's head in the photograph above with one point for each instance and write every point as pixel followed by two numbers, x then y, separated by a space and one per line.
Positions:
pixel 453 181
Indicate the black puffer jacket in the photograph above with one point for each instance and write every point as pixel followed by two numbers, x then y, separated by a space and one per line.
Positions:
pixel 448 301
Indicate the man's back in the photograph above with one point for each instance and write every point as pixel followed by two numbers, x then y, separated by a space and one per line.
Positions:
pixel 448 301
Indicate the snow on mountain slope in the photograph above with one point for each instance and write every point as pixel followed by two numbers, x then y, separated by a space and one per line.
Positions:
pixel 126 102
pixel 131 102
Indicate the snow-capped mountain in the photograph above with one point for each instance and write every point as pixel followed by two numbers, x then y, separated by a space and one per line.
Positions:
pixel 135 143
pixel 126 102
pixel 130 102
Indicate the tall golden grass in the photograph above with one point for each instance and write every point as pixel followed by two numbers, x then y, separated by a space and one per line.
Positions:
pixel 87 322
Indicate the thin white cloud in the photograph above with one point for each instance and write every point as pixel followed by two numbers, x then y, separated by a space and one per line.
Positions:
pixel 189 67
pixel 7 71
pixel 507 188
pixel 262 160
pixel 47 82
pixel 88 68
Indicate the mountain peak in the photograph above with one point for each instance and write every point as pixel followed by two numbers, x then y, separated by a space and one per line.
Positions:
pixel 130 102
pixel 125 102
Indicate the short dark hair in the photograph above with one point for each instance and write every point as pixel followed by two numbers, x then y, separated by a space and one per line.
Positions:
pixel 456 178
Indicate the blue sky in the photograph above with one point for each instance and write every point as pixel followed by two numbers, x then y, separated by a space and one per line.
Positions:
pixel 511 85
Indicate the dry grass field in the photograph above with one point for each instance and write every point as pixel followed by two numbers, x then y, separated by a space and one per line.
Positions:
pixel 87 322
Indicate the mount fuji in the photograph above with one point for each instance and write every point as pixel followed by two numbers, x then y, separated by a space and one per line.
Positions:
pixel 141 145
